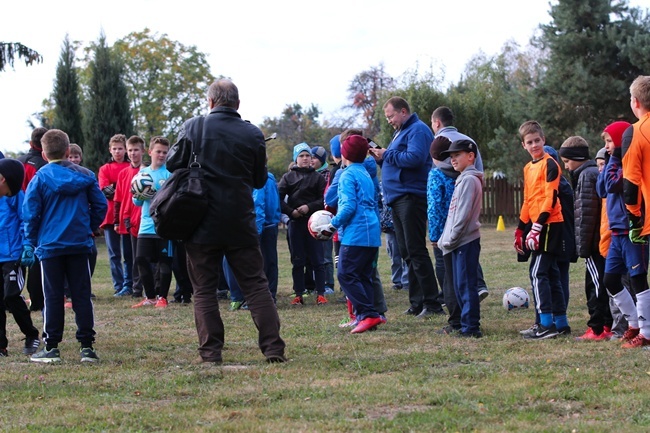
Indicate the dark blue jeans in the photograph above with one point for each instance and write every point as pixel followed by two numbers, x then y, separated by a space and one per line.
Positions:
pixel 269 248
pixel 119 249
pixel 304 246
pixel 410 220
pixel 465 265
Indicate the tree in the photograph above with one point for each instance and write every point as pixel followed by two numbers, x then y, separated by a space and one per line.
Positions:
pixel 166 81
pixel 10 50
pixel 106 110
pixel 586 79
pixel 365 91
pixel 67 104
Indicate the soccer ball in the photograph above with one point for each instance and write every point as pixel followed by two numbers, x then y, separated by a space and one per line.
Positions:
pixel 141 183
pixel 318 221
pixel 515 298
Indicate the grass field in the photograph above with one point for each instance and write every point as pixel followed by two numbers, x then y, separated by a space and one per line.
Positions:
pixel 404 377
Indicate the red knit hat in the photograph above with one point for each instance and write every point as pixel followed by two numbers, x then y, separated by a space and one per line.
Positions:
pixel 616 130
pixel 355 148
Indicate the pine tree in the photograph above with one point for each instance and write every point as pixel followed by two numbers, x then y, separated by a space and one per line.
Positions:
pixel 67 108
pixel 107 108
pixel 585 85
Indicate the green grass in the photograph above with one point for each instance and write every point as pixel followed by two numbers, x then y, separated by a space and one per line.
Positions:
pixel 404 377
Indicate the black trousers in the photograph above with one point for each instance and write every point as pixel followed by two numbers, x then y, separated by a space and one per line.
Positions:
pixel 410 220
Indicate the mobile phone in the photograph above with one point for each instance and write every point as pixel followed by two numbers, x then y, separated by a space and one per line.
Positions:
pixel 373 144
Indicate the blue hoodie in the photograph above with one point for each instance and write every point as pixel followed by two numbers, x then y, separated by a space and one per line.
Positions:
pixel 267 204
pixel 11 227
pixel 63 207
pixel 406 163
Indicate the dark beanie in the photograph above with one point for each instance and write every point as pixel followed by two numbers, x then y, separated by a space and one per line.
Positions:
pixel 13 171
pixel 438 145
pixel 355 148
pixel 319 153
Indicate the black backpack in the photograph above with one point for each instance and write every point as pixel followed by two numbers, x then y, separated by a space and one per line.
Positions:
pixel 179 207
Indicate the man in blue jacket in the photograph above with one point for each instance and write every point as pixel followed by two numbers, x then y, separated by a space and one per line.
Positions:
pixel 405 167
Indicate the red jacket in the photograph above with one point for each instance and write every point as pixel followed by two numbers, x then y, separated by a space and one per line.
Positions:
pixel 123 204
pixel 108 176
pixel 32 162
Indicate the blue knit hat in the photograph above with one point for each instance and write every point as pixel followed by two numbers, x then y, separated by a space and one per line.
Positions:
pixel 299 148
pixel 319 153
pixel 335 146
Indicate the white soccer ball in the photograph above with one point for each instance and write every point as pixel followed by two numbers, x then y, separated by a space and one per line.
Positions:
pixel 318 221
pixel 141 183
pixel 515 298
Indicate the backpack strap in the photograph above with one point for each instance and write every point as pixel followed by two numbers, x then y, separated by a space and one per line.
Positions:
pixel 198 145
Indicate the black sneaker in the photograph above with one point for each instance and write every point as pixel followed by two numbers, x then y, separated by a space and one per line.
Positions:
pixel 476 334
pixel 564 331
pixel 31 345
pixel 88 354
pixel 542 333
pixel 448 330
pixel 3 352
pixel 427 313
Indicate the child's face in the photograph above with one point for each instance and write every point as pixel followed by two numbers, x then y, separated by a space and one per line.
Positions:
pixel 570 164
pixel 304 159
pixel 534 144
pixel 609 143
pixel 461 160
pixel 74 158
pixel 158 154
pixel 315 162
pixel 135 154
pixel 601 164
pixel 4 188
pixel 117 151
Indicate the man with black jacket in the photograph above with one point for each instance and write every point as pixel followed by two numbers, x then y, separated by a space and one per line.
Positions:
pixel 232 155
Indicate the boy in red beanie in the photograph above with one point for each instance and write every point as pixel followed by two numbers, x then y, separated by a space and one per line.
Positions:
pixel 359 232
pixel 624 255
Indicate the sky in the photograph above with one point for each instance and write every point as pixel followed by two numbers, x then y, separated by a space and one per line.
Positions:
pixel 277 53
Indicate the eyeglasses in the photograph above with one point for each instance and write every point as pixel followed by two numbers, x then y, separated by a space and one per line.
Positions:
pixel 389 118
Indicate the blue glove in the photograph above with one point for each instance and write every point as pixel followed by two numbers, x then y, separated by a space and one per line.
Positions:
pixel 27 258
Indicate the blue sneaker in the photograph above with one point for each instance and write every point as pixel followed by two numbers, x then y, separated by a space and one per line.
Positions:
pixel 127 291
pixel 47 356
pixel 329 291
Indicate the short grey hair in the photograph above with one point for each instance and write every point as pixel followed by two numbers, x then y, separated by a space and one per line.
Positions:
pixel 224 93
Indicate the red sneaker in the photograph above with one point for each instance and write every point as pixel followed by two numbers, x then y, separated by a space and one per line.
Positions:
pixel 591 335
pixel 630 334
pixel 321 300
pixel 146 302
pixel 638 341
pixel 161 303
pixel 366 324
pixel 297 301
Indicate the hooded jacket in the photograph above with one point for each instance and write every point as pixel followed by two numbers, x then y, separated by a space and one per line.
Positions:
pixel 63 207
pixel 462 225
pixel 587 209
pixel 406 163
pixel 440 189
pixel 267 204
pixel 11 227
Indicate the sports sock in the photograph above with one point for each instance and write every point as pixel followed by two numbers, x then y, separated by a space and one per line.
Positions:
pixel 625 303
pixel 546 320
pixel 561 321
pixel 643 311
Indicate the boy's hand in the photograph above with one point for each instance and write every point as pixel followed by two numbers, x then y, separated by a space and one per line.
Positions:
pixel 532 240
pixel 326 232
pixel 636 225
pixel 519 241
pixel 27 258
pixel 109 191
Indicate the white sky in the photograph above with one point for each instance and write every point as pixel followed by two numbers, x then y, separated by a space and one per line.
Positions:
pixel 277 53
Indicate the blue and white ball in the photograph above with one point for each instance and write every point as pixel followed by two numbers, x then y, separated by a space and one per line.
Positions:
pixel 515 298
pixel 141 183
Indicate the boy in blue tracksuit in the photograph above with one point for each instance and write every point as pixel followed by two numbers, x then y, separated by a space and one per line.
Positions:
pixel 357 220
pixel 63 207
pixel 11 232
pixel 268 212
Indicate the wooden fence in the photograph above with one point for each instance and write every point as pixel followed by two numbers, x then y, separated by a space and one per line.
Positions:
pixel 501 198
